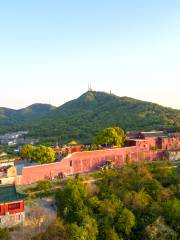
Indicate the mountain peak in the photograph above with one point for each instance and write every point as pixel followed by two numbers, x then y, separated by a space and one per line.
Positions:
pixel 40 106
pixel 98 96
pixel 81 118
pixel 35 109
pixel 88 96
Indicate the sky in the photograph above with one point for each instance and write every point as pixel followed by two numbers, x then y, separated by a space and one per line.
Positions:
pixel 51 50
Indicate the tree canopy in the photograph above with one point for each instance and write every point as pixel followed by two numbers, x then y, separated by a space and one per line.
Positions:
pixel 27 151
pixel 4 234
pixel 40 154
pixel 111 136
pixel 130 203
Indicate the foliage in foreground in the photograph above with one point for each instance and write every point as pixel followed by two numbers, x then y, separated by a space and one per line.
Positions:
pixel 136 202
pixel 4 234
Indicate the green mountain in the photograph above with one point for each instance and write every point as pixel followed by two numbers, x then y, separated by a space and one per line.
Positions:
pixel 82 118
pixel 11 120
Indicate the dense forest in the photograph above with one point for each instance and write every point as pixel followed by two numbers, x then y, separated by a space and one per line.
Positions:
pixel 82 118
pixel 136 202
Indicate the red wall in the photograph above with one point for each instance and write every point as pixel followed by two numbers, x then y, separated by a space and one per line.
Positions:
pixel 4 208
pixel 171 143
pixel 74 149
pixel 80 162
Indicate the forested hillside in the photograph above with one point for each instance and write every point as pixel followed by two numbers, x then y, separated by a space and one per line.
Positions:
pixel 82 118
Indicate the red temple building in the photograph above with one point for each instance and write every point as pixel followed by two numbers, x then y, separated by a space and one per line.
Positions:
pixel 11 206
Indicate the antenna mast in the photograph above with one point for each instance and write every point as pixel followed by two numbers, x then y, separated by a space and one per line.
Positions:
pixel 89 87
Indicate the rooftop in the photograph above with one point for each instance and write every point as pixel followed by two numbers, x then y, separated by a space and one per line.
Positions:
pixel 8 193
pixel 160 134
pixel 153 134
pixel 137 140
pixel 5 159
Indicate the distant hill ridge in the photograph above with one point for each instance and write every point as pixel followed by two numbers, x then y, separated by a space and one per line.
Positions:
pixel 82 118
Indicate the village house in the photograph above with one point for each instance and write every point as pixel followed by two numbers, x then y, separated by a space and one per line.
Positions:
pixel 11 206
pixel 8 174
pixel 6 160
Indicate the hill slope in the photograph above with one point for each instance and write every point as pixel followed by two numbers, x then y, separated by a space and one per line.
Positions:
pixel 16 119
pixel 81 118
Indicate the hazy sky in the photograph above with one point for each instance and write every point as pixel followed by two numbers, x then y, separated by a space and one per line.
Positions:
pixel 50 50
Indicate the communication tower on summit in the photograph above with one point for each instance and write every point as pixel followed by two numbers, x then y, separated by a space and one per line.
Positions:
pixel 89 87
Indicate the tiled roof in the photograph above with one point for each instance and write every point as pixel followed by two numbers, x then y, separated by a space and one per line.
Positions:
pixel 160 134
pixel 153 134
pixel 6 159
pixel 172 135
pixel 8 193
